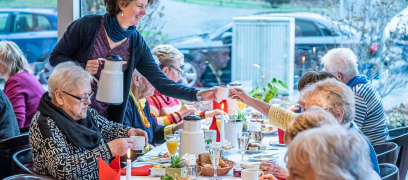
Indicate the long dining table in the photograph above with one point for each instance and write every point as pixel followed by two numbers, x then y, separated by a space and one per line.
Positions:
pixel 232 154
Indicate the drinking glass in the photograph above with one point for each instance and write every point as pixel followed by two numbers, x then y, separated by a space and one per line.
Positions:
pixel 243 141
pixel 172 143
pixel 215 156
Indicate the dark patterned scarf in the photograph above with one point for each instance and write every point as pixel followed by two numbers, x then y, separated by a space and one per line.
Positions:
pixel 82 133
pixel 114 30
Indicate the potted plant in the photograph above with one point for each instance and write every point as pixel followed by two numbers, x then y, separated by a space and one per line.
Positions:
pixel 176 169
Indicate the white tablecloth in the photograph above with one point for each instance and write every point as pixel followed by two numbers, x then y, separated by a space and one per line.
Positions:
pixel 233 155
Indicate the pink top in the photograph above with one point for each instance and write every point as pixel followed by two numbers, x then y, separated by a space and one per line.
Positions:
pixel 24 92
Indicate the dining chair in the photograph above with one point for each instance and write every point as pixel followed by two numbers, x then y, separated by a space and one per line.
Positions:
pixel 11 145
pixel 388 171
pixel 23 162
pixel 27 176
pixel 386 152
pixel 400 137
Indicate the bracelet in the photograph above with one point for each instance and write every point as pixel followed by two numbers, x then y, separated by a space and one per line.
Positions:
pixel 178 114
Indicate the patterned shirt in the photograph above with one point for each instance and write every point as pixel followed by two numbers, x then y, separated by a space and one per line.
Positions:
pixel 55 156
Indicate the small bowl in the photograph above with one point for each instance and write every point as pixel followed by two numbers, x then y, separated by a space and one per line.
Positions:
pixel 158 171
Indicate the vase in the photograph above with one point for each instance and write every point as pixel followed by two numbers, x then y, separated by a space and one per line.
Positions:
pixel 176 172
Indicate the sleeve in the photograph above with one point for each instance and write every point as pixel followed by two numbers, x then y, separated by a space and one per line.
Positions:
pixel 47 138
pixel 110 130
pixel 68 45
pixel 280 117
pixel 361 111
pixel 149 69
pixel 166 120
pixel 17 99
pixel 8 123
pixel 158 130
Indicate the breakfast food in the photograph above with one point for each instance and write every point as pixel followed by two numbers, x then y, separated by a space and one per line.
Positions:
pixel 246 166
pixel 165 155
pixel 256 147
pixel 160 166
pixel 204 160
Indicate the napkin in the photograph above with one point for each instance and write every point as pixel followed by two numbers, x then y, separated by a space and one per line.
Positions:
pixel 217 105
pixel 214 126
pixel 139 171
pixel 109 172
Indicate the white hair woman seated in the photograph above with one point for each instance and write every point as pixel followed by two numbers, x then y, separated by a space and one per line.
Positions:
pixel 66 135
pixel 328 152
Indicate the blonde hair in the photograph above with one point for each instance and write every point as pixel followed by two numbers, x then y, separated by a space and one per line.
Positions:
pixel 314 116
pixel 167 55
pixel 332 96
pixel 12 56
pixel 342 60
pixel 67 76
pixel 332 152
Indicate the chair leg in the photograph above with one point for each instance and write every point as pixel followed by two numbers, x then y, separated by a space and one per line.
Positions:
pixel 403 164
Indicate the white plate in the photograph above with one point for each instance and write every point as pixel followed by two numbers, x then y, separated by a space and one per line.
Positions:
pixel 254 152
pixel 140 164
pixel 149 159
pixel 269 132
pixel 261 157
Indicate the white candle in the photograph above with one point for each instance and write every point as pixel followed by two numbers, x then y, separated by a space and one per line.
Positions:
pixel 222 133
pixel 128 166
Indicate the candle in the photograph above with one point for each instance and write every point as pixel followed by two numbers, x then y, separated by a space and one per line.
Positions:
pixel 303 65
pixel 314 50
pixel 128 166
pixel 222 134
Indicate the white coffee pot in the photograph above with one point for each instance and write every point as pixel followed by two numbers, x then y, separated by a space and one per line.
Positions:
pixel 110 85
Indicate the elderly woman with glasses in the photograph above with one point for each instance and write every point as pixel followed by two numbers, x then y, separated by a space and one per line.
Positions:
pixel 67 136
pixel 138 114
pixel 166 109
pixel 328 152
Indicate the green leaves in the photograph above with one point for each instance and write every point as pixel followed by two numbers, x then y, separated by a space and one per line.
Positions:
pixel 270 91
pixel 166 177
pixel 176 162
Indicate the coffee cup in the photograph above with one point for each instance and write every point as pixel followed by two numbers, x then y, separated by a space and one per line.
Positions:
pixel 251 174
pixel 138 142
pixel 222 92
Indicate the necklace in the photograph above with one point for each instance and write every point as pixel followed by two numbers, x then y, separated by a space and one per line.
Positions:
pixel 142 115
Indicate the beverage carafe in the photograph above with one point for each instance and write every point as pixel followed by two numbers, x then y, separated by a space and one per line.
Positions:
pixel 192 137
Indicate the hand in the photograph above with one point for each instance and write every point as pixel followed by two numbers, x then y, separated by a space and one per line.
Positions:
pixel 239 94
pixel 210 114
pixel 209 94
pixel 139 132
pixel 186 110
pixel 119 147
pixel 92 66
pixel 268 177
pixel 294 108
pixel 270 167
pixel 178 126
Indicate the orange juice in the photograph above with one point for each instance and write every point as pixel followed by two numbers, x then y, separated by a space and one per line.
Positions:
pixel 241 106
pixel 172 146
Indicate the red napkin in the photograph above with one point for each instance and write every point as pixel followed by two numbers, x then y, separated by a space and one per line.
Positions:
pixel 217 105
pixel 140 171
pixel 281 134
pixel 109 172
pixel 215 127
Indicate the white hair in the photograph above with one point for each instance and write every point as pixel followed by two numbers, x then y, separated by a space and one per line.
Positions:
pixel 333 96
pixel 332 152
pixel 12 56
pixel 67 76
pixel 167 55
pixel 342 60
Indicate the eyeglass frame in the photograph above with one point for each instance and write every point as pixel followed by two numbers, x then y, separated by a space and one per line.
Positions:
pixel 81 99
pixel 178 70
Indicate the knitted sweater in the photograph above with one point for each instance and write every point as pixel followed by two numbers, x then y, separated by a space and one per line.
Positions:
pixel 370 117
pixel 165 108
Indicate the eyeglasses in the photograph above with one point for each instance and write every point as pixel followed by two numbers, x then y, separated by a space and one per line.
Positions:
pixel 82 99
pixel 178 70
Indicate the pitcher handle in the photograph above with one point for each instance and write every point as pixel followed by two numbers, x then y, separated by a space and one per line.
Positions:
pixel 262 135
pixel 198 173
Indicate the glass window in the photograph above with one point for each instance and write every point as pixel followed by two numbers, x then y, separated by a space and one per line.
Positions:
pixel 23 22
pixel 43 23
pixel 306 28
pixel 326 31
pixel 3 22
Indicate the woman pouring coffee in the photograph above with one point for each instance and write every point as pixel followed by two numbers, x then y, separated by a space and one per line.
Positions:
pixel 100 36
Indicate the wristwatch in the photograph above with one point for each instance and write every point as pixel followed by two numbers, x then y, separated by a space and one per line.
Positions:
pixel 199 97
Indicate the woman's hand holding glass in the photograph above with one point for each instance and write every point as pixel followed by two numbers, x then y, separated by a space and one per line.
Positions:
pixel 139 132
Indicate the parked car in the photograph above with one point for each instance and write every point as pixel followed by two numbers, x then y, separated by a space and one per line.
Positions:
pixel 207 56
pixel 34 30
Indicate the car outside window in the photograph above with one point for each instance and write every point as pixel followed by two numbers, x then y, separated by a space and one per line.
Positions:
pixel 23 22
pixel 3 22
pixel 306 28
pixel 43 23
pixel 326 31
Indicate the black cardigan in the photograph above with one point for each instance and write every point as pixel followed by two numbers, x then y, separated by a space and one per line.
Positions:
pixel 77 44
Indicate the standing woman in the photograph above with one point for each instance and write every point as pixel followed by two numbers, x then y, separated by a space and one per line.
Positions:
pixel 100 36
pixel 22 88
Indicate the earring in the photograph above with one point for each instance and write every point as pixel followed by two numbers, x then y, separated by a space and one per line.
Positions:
pixel 121 13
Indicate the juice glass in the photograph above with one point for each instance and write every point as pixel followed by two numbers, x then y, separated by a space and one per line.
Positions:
pixel 172 143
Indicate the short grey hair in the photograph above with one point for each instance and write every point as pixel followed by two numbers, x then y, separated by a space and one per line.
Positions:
pixel 12 56
pixel 342 60
pixel 333 152
pixel 332 96
pixel 67 76
pixel 167 55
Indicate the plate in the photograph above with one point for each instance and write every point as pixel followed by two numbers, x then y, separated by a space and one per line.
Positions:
pixel 270 132
pixel 140 164
pixel 153 158
pixel 254 152
pixel 261 157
